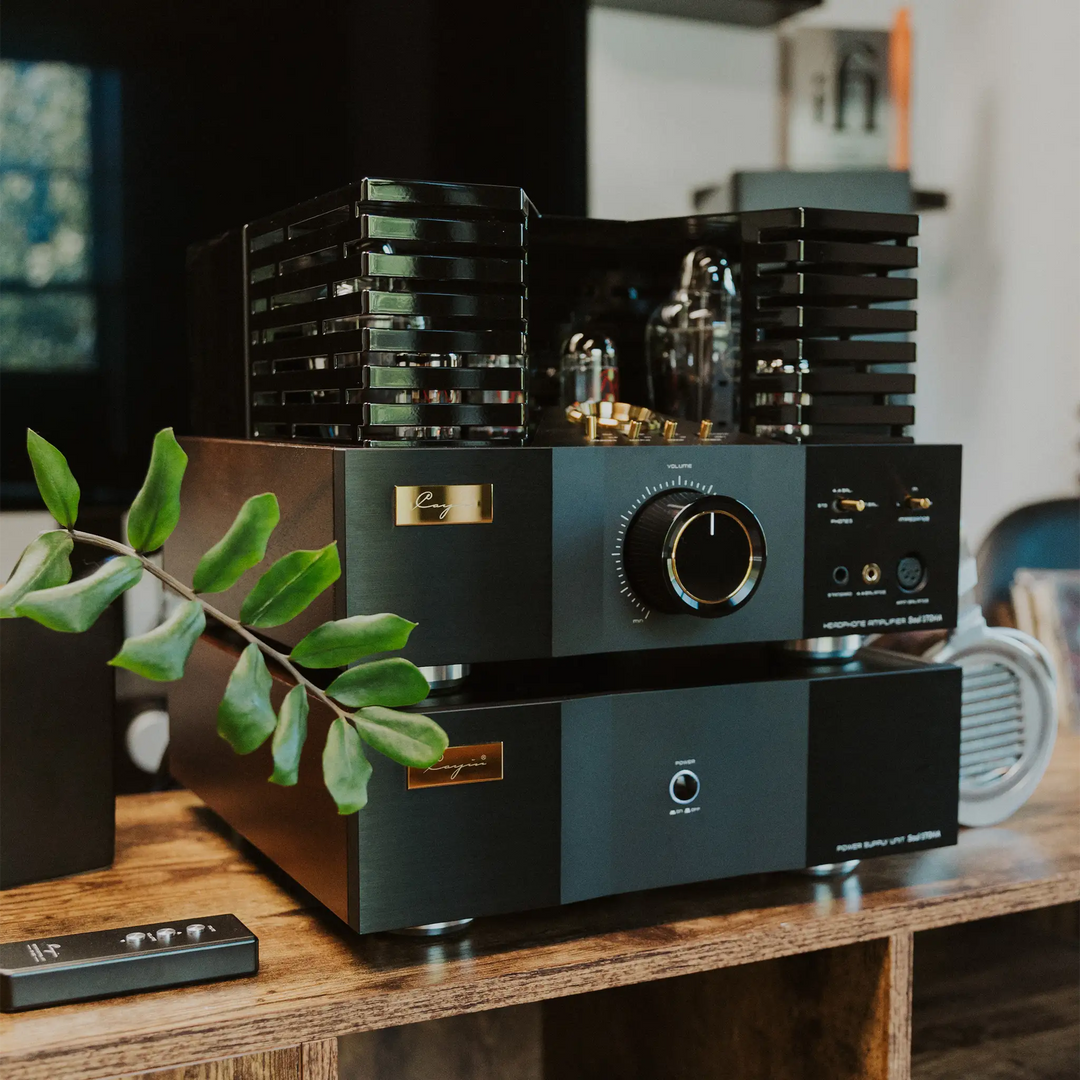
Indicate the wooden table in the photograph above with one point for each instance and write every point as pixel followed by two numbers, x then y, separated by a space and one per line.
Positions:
pixel 772 976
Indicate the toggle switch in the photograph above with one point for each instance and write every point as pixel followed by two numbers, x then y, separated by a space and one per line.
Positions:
pixel 917 502
pixel 670 427
pixel 851 506
pixel 704 429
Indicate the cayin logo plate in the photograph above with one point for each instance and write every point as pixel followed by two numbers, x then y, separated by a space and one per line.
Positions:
pixel 461 765
pixel 443 504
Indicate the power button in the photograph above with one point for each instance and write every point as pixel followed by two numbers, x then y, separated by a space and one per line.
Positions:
pixel 684 787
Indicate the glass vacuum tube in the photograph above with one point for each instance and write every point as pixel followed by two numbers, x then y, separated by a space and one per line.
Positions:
pixel 691 344
pixel 588 370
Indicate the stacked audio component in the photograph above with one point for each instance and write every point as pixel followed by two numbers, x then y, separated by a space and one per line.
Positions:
pixel 819 292
pixel 604 608
pixel 388 313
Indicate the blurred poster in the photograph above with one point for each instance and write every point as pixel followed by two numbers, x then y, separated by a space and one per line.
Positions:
pixel 1047 606
pixel 838 108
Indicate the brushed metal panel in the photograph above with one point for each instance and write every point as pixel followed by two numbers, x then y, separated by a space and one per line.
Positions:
pixel 477 593
pixel 623 831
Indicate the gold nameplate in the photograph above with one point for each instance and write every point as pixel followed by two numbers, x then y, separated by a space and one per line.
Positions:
pixel 443 504
pixel 461 765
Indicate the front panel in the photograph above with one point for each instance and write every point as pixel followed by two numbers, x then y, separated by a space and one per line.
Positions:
pixel 461 847
pixel 542 564
pixel 883 763
pixel 549 551
pixel 596 493
pixel 613 793
pixel 626 759
pixel 479 589
pixel 882 528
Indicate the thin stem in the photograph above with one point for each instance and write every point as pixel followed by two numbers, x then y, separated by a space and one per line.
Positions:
pixel 187 593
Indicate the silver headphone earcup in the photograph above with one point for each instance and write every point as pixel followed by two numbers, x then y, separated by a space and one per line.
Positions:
pixel 1008 719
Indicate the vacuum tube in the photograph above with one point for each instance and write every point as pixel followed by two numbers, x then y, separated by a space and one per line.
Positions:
pixel 691 344
pixel 588 370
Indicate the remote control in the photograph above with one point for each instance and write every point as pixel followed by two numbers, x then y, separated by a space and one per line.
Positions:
pixel 104 963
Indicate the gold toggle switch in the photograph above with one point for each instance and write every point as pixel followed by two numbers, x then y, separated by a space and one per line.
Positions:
pixel 916 502
pixel 705 430
pixel 634 431
pixel 851 506
pixel 669 429
pixel 592 427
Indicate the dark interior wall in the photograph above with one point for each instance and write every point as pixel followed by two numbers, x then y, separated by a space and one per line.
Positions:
pixel 483 91
pixel 233 109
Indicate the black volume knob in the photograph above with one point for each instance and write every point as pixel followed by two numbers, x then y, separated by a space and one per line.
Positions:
pixel 695 554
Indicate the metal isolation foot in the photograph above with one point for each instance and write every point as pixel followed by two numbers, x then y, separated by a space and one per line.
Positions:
pixel 433 929
pixel 832 869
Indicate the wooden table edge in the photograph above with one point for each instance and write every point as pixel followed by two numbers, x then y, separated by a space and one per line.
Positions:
pixel 289 1025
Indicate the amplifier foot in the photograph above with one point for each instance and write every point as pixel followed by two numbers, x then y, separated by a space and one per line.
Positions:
pixel 433 929
pixel 832 869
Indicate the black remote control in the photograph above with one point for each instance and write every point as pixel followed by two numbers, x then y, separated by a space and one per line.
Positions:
pixel 104 963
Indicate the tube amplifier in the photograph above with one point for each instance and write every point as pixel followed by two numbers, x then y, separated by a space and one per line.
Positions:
pixel 623 613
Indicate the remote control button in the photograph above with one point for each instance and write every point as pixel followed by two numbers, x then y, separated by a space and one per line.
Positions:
pixel 165 935
pixel 194 929
pixel 137 938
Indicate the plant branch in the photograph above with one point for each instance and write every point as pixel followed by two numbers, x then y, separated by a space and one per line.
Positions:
pixel 187 593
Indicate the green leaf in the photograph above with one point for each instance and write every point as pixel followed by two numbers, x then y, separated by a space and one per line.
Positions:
pixel 241 548
pixel 407 738
pixel 336 644
pixel 289 736
pixel 345 769
pixel 245 718
pixel 162 653
pixel 290 585
pixel 54 479
pixel 75 607
pixel 381 682
pixel 42 565
pixel 156 509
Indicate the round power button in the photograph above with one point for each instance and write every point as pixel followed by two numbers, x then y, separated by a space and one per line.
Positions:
pixel 684 786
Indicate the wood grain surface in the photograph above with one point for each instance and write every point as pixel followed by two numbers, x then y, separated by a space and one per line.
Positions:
pixel 319 1060
pixel 999 999
pixel 497 1044
pixel 826 1015
pixel 318 980
pixel 272 1065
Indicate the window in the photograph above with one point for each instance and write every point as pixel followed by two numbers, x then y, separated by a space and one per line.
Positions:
pixel 48 304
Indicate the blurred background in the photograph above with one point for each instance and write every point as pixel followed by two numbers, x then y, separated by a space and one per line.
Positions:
pixel 130 130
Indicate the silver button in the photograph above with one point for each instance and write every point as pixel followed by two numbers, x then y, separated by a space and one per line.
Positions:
pixel 165 935
pixel 137 938
pixel 194 929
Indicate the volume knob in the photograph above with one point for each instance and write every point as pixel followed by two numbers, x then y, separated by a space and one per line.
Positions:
pixel 688 553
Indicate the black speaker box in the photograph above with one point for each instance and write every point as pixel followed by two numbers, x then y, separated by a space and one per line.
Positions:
pixel 56 749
